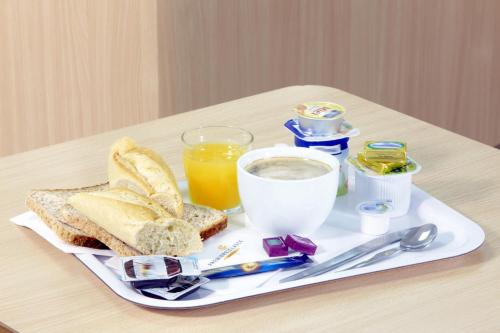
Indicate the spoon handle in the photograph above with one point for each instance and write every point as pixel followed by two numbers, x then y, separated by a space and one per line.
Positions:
pixel 381 256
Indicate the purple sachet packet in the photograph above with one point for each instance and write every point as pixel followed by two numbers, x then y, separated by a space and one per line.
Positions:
pixel 301 244
pixel 275 246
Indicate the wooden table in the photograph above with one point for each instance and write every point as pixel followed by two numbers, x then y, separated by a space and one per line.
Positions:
pixel 44 290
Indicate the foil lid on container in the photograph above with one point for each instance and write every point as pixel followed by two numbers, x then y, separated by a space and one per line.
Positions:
pixel 411 167
pixel 320 118
pixel 346 131
pixel 320 110
pixel 375 207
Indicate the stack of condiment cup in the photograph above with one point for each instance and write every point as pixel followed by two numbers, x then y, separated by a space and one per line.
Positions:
pixel 321 126
pixel 384 181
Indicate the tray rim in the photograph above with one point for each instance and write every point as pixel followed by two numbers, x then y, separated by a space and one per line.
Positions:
pixel 475 232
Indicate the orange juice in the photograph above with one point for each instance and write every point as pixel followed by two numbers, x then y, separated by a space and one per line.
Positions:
pixel 211 173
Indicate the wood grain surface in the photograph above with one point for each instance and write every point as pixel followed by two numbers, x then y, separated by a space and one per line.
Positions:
pixel 437 61
pixel 72 68
pixel 44 290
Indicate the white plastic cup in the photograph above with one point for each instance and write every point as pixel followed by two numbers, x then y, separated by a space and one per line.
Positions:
pixel 395 189
pixel 375 217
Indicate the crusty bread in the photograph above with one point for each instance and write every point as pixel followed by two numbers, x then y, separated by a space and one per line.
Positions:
pixel 81 222
pixel 207 221
pixel 144 171
pixel 52 207
pixel 48 205
pixel 136 220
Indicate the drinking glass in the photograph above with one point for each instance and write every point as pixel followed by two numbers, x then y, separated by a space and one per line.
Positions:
pixel 210 155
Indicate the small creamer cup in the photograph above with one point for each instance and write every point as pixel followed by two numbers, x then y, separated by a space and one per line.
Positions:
pixel 375 216
pixel 279 207
pixel 320 118
pixel 395 189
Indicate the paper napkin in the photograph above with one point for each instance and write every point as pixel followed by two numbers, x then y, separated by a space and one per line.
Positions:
pixel 32 221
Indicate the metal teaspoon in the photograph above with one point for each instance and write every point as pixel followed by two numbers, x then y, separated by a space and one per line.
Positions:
pixel 414 240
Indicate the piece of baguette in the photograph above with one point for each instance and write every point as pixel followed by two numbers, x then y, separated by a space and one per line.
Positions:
pixel 53 209
pixel 81 222
pixel 135 220
pixel 207 221
pixel 144 171
pixel 49 205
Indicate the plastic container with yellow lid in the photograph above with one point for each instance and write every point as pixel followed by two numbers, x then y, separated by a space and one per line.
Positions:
pixel 320 118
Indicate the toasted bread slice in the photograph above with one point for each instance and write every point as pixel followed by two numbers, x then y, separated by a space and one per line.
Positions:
pixel 144 171
pixel 48 205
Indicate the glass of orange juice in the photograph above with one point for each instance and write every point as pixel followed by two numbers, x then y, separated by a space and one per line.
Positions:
pixel 210 156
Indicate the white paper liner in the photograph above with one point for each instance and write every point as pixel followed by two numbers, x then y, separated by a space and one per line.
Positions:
pixel 206 259
pixel 32 221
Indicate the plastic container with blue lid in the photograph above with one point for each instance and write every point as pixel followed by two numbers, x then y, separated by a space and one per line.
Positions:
pixel 336 145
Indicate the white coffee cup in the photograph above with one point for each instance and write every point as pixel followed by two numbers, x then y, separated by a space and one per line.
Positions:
pixel 280 207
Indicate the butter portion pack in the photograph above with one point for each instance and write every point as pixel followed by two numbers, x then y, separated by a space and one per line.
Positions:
pixel 384 158
pixel 385 152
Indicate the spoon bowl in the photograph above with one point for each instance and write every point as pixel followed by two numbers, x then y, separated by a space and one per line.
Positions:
pixel 419 238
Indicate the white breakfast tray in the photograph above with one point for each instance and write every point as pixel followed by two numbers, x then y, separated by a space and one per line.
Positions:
pixel 457 235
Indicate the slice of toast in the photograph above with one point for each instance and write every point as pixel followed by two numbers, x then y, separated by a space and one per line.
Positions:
pixel 48 205
pixel 207 220
pixel 72 227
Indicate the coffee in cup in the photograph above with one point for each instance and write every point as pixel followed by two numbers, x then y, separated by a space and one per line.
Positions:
pixel 288 168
